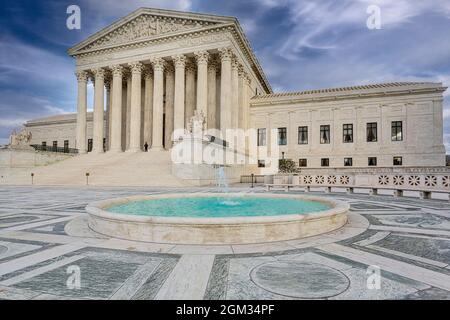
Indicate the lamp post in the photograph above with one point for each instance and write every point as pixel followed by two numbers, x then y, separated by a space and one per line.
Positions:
pixel 252 179
pixel 32 178
pixel 87 178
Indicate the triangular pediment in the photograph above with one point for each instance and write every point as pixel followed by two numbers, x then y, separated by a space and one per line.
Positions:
pixel 145 24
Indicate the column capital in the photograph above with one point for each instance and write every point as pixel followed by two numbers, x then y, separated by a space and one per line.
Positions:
pixel 169 68
pixel 201 57
pixel 158 64
pixel 225 53
pixel 213 65
pixel 91 76
pixel 190 66
pixel 247 79
pixel 126 75
pixel 99 73
pixel 235 64
pixel 136 67
pixel 117 70
pixel 241 72
pixel 179 61
pixel 148 72
pixel 82 76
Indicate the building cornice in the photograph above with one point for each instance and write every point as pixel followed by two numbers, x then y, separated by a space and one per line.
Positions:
pixel 349 93
pixel 57 120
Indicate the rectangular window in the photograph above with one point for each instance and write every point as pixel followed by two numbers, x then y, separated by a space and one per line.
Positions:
pixel 89 145
pixel 261 163
pixel 348 133
pixel 372 132
pixel 397 131
pixel 372 161
pixel 44 144
pixel 55 146
pixel 398 161
pixel 348 162
pixel 302 162
pixel 324 134
pixel 66 146
pixel 302 135
pixel 325 162
pixel 282 136
pixel 261 137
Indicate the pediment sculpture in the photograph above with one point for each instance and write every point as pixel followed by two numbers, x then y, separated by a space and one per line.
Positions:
pixel 146 26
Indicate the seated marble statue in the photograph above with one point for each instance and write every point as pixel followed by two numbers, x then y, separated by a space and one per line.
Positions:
pixel 20 140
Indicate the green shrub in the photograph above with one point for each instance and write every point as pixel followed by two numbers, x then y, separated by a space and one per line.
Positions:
pixel 287 166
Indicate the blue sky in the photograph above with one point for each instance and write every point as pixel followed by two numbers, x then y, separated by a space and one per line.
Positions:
pixel 301 44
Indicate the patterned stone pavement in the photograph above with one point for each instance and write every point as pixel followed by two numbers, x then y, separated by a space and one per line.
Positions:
pixel 47 252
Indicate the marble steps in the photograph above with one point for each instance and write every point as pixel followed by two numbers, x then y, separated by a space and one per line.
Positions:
pixel 115 169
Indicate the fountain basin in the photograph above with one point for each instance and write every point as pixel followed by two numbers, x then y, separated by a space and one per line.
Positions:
pixel 190 227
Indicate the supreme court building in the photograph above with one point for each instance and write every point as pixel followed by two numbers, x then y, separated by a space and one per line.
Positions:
pixel 154 69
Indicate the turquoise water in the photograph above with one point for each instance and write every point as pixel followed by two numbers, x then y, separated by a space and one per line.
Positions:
pixel 218 207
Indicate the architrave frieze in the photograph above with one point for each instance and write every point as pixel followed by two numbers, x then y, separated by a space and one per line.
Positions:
pixel 182 45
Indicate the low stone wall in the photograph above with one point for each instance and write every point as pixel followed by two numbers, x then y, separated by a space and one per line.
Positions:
pixel 10 158
pixel 414 178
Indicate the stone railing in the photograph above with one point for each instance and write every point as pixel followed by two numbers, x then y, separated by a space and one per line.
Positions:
pixel 421 179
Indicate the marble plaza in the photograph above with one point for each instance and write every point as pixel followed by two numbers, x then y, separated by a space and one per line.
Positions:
pixel 44 242
pixel 174 90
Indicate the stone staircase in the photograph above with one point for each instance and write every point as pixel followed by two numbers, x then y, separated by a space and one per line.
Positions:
pixel 151 168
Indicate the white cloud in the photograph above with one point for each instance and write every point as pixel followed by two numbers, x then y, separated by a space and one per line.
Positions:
pixel 11 123
pixel 315 20
pixel 121 8
pixel 54 110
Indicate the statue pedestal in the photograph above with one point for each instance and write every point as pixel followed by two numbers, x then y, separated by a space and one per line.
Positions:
pixel 196 159
pixel 196 156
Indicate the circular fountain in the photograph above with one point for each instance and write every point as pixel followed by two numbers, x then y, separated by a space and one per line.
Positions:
pixel 216 218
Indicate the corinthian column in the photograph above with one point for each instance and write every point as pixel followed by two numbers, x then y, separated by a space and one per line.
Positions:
pixel 135 109
pixel 246 97
pixel 108 112
pixel 170 91
pixel 116 109
pixel 225 89
pixel 190 92
pixel 241 98
pixel 212 98
pixel 128 111
pixel 99 110
pixel 148 106
pixel 234 93
pixel 82 77
pixel 180 64
pixel 202 82
pixel 158 100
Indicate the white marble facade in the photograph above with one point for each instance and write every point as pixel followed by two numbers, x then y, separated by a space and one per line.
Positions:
pixel 152 69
